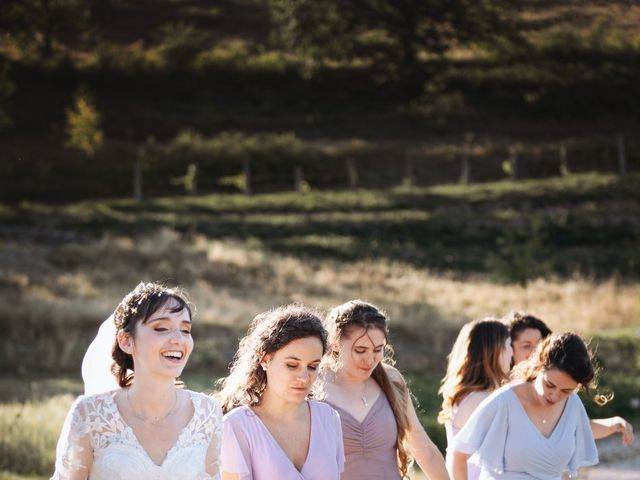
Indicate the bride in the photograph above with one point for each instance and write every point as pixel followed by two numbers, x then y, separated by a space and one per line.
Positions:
pixel 141 426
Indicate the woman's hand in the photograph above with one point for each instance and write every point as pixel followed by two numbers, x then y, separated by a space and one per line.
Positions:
pixel 603 427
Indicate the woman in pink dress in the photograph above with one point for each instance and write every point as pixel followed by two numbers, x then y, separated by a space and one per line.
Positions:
pixel 379 423
pixel 272 430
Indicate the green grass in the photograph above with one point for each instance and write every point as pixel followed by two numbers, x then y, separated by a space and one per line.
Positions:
pixel 587 224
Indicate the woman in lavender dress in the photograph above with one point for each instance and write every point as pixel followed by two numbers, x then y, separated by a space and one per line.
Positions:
pixel 527 331
pixel 479 363
pixel 380 426
pixel 272 430
pixel 536 427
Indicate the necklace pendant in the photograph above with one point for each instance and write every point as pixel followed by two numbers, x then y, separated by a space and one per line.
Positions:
pixel 364 401
pixel 544 421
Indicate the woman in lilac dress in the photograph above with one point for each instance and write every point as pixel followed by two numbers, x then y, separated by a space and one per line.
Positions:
pixel 379 423
pixel 479 363
pixel 526 333
pixel 536 427
pixel 272 430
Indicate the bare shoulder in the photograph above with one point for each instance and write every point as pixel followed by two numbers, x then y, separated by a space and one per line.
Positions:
pixel 467 406
pixel 394 374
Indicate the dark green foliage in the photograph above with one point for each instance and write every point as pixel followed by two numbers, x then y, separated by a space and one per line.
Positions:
pixel 179 43
pixel 40 22
pixel 520 255
pixel 6 90
pixel 390 34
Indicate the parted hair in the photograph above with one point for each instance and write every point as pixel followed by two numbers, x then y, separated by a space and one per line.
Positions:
pixel 268 333
pixel 568 353
pixel 474 363
pixel 136 307
pixel 341 322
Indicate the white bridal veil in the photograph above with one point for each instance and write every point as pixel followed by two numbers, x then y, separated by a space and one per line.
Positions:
pixel 97 361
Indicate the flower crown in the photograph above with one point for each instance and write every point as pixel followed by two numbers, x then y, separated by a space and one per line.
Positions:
pixel 128 307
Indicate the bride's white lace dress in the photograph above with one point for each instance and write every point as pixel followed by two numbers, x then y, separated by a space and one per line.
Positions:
pixel 96 443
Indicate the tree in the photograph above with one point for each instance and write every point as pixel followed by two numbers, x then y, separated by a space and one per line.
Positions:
pixel 40 21
pixel 6 90
pixel 392 34
pixel 83 125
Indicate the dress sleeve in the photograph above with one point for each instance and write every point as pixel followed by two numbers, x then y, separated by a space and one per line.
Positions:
pixel 485 433
pixel 235 452
pixel 74 453
pixel 585 453
pixel 212 461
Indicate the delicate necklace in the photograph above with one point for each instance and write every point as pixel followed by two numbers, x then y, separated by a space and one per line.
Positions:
pixel 363 397
pixel 152 420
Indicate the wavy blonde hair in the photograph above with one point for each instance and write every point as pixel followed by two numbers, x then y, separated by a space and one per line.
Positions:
pixel 474 363
pixel 268 333
pixel 340 322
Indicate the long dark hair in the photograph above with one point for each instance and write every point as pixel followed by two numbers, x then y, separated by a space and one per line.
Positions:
pixel 474 363
pixel 356 314
pixel 568 353
pixel 136 307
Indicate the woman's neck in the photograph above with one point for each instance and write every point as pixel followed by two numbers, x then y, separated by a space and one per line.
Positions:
pixel 276 407
pixel 152 397
pixel 349 382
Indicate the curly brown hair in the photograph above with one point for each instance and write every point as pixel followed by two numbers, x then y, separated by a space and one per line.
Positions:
pixel 136 307
pixel 568 353
pixel 268 333
pixel 341 321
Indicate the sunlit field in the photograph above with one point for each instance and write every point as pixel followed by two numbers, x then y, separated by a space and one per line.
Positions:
pixel 433 258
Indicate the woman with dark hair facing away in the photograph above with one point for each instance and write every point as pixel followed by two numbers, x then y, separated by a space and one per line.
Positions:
pixel 535 427
pixel 145 428
pixel 272 429
pixel 379 423
pixel 478 364
pixel 527 331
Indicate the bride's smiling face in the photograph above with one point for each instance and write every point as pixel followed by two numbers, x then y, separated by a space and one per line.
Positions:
pixel 161 344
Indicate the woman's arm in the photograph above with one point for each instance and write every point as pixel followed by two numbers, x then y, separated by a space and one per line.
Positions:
pixel 74 453
pixel 422 448
pixel 230 476
pixel 459 466
pixel 603 427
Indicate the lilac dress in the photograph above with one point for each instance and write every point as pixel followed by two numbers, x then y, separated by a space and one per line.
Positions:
pixel 370 445
pixel 473 471
pixel 249 449
pixel 510 447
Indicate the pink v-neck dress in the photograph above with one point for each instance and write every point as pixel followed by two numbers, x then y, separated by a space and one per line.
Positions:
pixel 370 445
pixel 249 449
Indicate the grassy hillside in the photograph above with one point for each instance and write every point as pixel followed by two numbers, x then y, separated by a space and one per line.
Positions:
pixel 153 72
pixel 563 248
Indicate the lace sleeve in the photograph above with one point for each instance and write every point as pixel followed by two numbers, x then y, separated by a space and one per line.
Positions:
pixel 212 461
pixel 74 454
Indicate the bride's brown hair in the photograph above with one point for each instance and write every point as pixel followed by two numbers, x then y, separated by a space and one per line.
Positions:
pixel 136 307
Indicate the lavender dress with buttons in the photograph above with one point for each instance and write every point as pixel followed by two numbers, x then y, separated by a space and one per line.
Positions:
pixel 510 446
pixel 249 449
pixel 370 445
